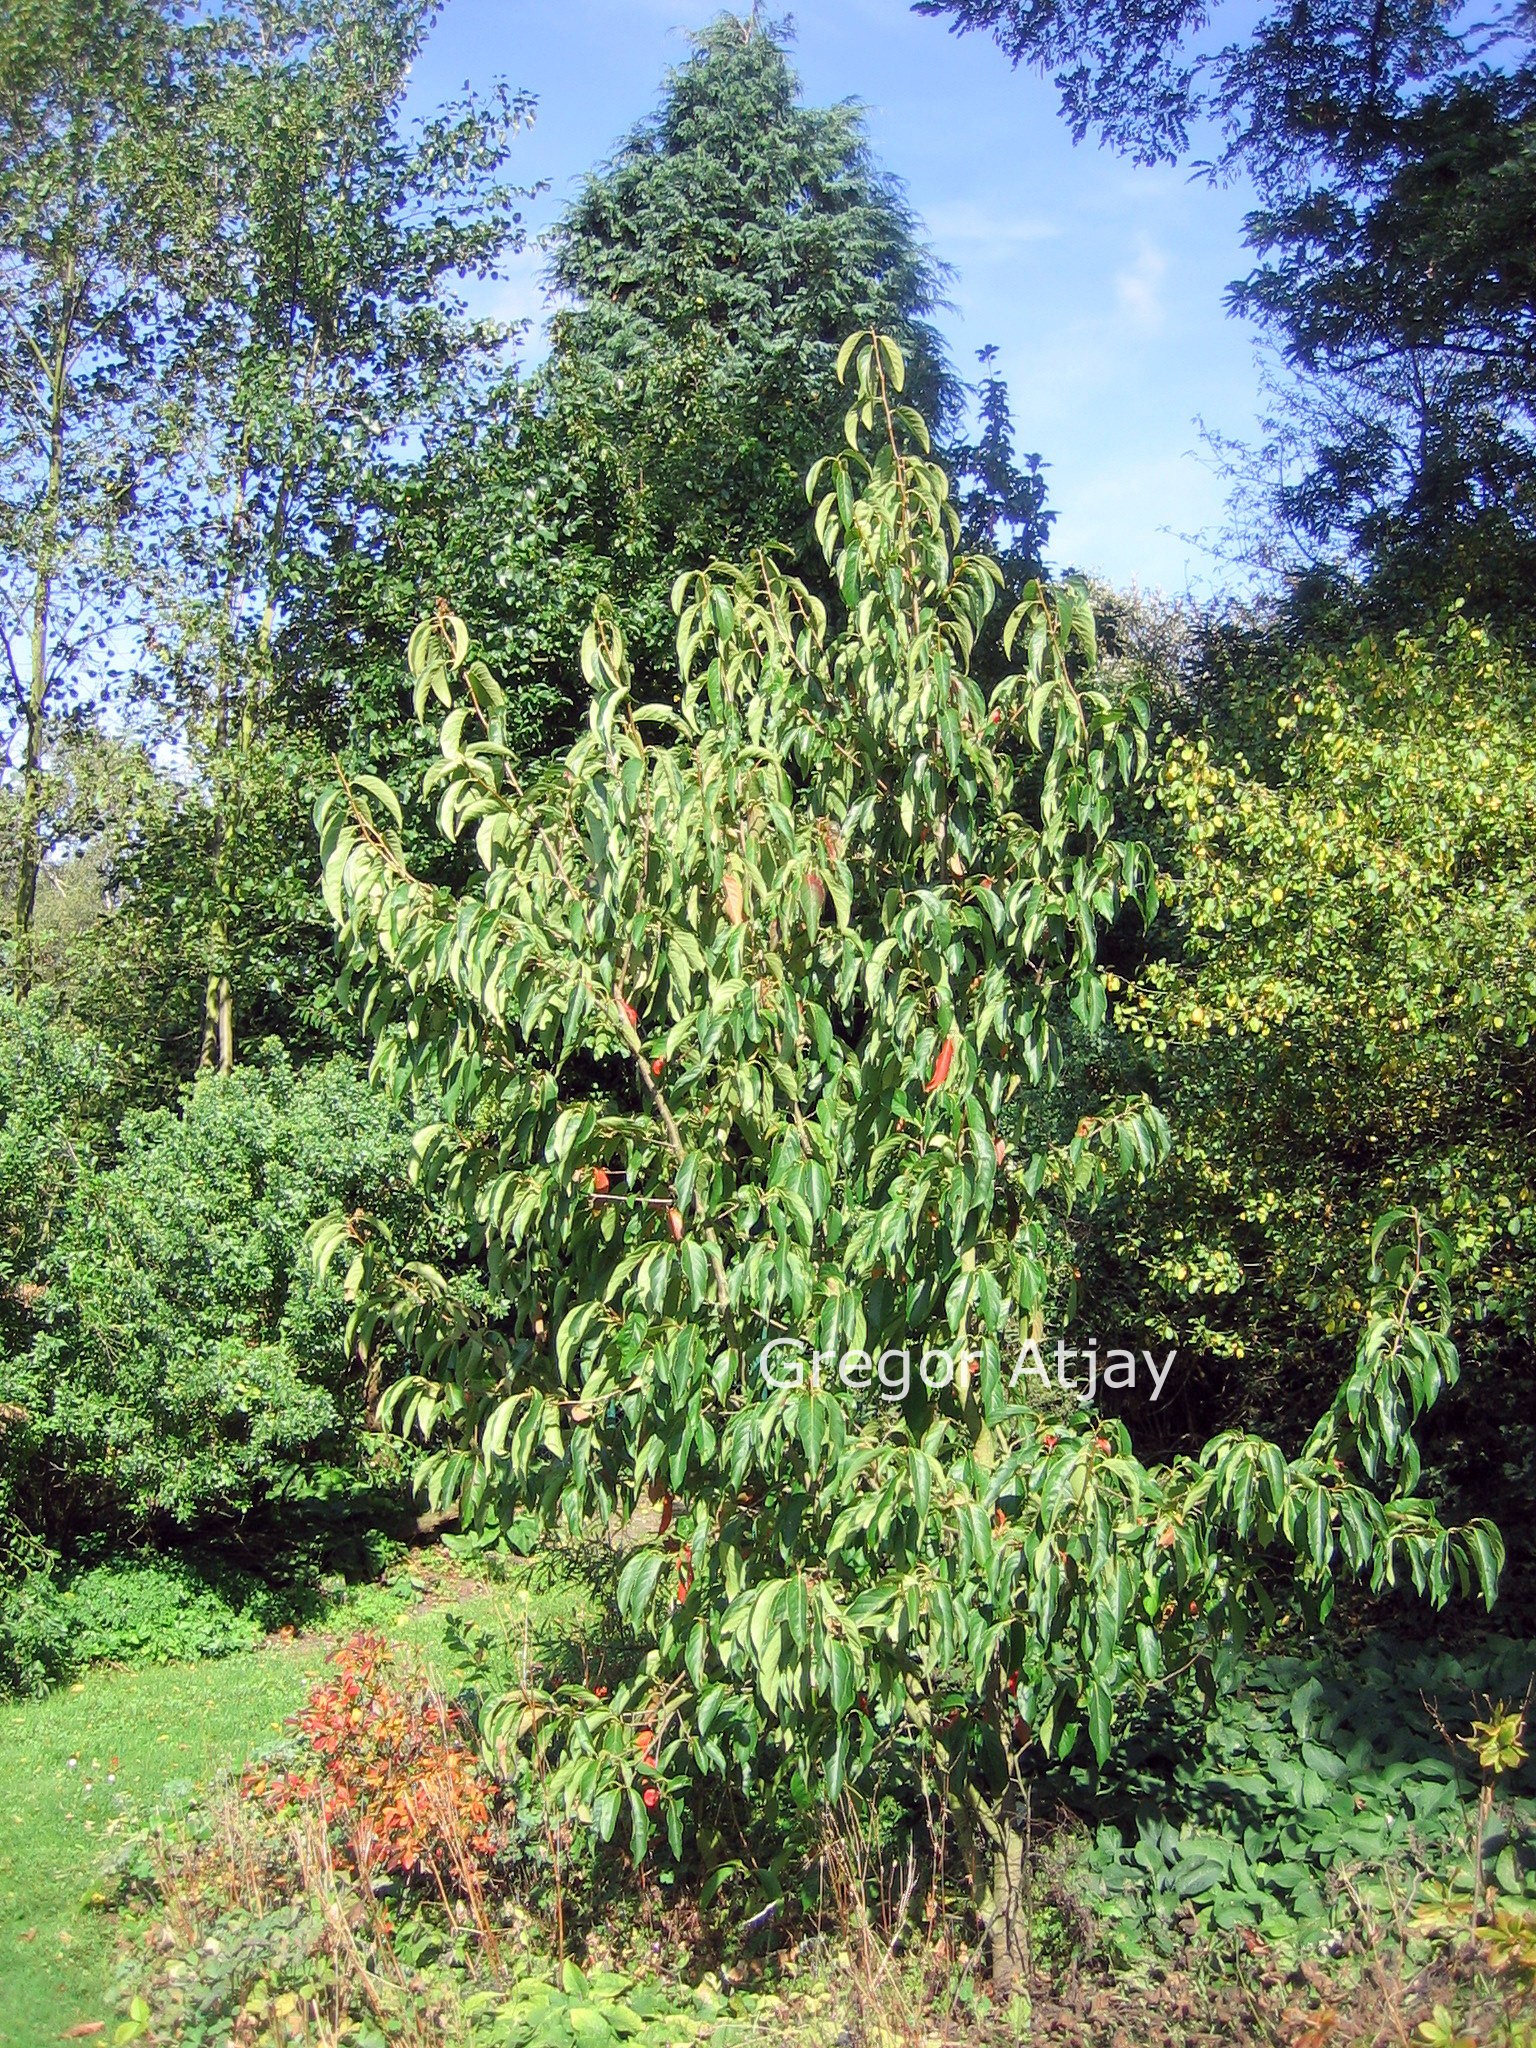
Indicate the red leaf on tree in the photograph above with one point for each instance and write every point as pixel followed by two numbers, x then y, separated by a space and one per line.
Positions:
pixel 941 1066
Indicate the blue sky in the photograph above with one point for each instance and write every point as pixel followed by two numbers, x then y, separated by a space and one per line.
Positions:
pixel 1099 282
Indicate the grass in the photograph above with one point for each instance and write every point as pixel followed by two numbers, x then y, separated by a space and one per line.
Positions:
pixel 80 1767
pixel 87 1764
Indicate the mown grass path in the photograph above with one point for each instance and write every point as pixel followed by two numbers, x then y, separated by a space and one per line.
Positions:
pixel 76 1771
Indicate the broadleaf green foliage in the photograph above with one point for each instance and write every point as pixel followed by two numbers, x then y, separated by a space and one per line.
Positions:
pixel 57 1102
pixel 1390 150
pixel 1338 1021
pixel 1419 257
pixel 188 1361
pixel 1308 1771
pixel 135 1611
pixel 601 2008
pixel 136 974
pixel 1294 81
pixel 725 1030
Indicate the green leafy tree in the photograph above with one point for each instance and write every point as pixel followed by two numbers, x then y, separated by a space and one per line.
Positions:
pixel 97 206
pixel 1338 1021
pixel 733 1027
pixel 704 280
pixel 1391 152
pixel 1306 78
pixel 96 785
pixel 130 974
pixel 1401 298
pixel 479 513
pixel 328 330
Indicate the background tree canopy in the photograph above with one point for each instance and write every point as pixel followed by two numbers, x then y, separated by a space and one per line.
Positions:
pixel 703 282
pixel 1390 149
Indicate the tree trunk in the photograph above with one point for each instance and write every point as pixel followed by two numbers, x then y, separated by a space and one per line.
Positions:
pixel 29 861
pixel 29 864
pixel 1009 1919
pixel 217 1052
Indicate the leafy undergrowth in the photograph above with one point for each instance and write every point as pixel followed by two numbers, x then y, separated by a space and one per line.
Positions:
pixel 1293 1869
pixel 366 1883
pixel 377 1884
pixel 1319 1792
pixel 171 1610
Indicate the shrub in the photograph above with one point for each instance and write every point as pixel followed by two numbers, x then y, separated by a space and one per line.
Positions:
pixel 56 1099
pixel 137 1611
pixel 1338 1019
pixel 392 1771
pixel 35 1642
pixel 190 1361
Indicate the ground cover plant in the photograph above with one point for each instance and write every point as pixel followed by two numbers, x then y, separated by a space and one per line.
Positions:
pixel 251 1922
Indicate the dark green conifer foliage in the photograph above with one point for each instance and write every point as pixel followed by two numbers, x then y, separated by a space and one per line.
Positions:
pixel 734 240
pixel 704 279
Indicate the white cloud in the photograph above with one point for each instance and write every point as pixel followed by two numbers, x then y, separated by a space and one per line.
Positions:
pixel 1138 288
pixel 984 233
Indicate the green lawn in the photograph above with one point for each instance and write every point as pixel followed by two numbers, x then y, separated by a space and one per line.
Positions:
pixel 92 1760
pixel 79 1767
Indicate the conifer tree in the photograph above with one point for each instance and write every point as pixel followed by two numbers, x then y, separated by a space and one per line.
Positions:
pixel 734 239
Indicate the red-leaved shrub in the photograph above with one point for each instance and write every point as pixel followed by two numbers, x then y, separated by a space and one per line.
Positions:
pixel 394 1774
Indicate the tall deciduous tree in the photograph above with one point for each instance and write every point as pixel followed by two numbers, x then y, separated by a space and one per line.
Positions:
pixel 1402 299
pixel 328 333
pixel 1302 77
pixel 733 1029
pixel 1391 150
pixel 98 208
